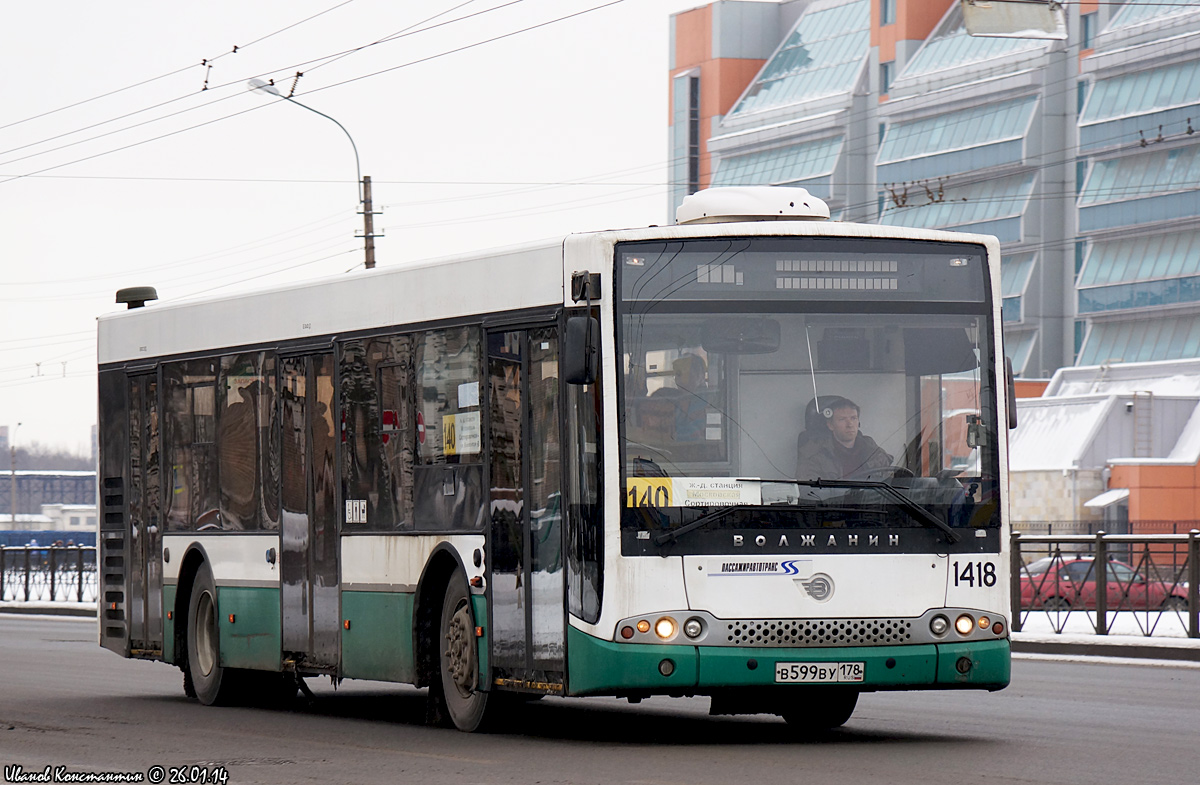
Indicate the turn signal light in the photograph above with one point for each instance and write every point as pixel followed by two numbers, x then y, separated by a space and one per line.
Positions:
pixel 984 622
pixel 643 626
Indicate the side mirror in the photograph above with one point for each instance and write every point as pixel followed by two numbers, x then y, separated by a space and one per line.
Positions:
pixel 1012 393
pixel 581 350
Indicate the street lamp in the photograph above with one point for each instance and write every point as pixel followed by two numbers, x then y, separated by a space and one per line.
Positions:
pixel 12 467
pixel 364 183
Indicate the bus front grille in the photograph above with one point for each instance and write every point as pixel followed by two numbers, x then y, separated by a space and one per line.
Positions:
pixel 817 632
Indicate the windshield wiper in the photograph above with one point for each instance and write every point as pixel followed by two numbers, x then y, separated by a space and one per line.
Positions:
pixel 915 510
pixel 703 520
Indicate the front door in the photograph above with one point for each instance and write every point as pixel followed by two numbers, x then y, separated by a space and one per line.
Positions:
pixel 144 603
pixel 528 618
pixel 308 530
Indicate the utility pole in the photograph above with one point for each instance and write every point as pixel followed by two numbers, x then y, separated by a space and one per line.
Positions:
pixel 368 223
pixel 364 182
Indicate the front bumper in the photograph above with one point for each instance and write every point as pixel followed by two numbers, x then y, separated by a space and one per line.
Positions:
pixel 600 667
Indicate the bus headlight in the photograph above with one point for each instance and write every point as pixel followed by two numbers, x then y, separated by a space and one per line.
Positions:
pixel 964 624
pixel 693 627
pixel 939 624
pixel 665 628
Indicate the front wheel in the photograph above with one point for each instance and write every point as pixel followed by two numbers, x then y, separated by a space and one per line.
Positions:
pixel 458 652
pixel 823 710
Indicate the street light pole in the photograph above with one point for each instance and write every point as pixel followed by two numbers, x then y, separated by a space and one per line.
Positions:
pixel 364 183
pixel 12 467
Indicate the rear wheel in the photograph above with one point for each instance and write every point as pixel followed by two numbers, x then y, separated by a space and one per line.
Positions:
pixel 458 650
pixel 824 709
pixel 1056 604
pixel 211 682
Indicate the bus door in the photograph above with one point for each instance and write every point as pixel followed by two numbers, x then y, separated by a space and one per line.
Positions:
pixel 144 600
pixel 525 543
pixel 308 569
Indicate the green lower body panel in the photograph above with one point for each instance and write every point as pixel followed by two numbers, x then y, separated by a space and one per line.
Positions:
pixel 378 645
pixel 168 605
pixel 249 624
pixel 599 667
pixel 991 664
pixel 479 608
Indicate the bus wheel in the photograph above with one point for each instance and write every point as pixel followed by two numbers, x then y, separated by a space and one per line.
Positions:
pixel 464 702
pixel 824 710
pixel 210 681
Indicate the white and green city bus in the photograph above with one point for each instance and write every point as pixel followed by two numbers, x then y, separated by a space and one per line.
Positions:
pixel 575 468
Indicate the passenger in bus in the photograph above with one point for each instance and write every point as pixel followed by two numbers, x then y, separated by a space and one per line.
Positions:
pixel 690 397
pixel 836 449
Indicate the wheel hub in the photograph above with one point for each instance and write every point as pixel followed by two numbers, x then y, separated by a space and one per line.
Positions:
pixel 460 651
pixel 206 623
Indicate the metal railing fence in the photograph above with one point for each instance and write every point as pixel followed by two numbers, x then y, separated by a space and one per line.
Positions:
pixel 48 573
pixel 1151 584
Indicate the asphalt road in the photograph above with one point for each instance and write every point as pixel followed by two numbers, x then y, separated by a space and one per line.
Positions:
pixel 66 702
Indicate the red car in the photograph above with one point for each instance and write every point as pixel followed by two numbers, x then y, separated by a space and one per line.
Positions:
pixel 1059 584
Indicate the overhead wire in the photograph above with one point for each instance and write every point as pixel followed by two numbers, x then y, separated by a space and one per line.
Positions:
pixel 204 63
pixel 316 90
pixel 321 61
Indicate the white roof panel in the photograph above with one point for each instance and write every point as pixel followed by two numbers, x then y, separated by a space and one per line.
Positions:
pixel 1053 434
pixel 1169 377
pixel 1108 498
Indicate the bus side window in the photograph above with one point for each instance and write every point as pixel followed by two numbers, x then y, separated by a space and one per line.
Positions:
pixel 191 462
pixel 448 490
pixel 245 442
pixel 377 431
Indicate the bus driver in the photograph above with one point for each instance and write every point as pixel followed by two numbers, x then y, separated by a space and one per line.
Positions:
pixel 840 451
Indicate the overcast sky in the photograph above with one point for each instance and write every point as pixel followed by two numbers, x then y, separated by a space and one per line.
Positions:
pixel 117 167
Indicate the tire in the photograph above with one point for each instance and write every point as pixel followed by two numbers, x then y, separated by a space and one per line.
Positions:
pixel 458 657
pixel 1174 603
pixel 824 709
pixel 212 683
pixel 1056 604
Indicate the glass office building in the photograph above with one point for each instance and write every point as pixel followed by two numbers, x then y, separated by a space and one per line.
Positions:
pixel 1082 156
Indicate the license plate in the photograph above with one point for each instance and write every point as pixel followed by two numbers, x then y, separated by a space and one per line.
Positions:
pixel 818 672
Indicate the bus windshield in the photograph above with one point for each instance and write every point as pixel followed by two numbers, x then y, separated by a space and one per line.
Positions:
pixel 817 387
